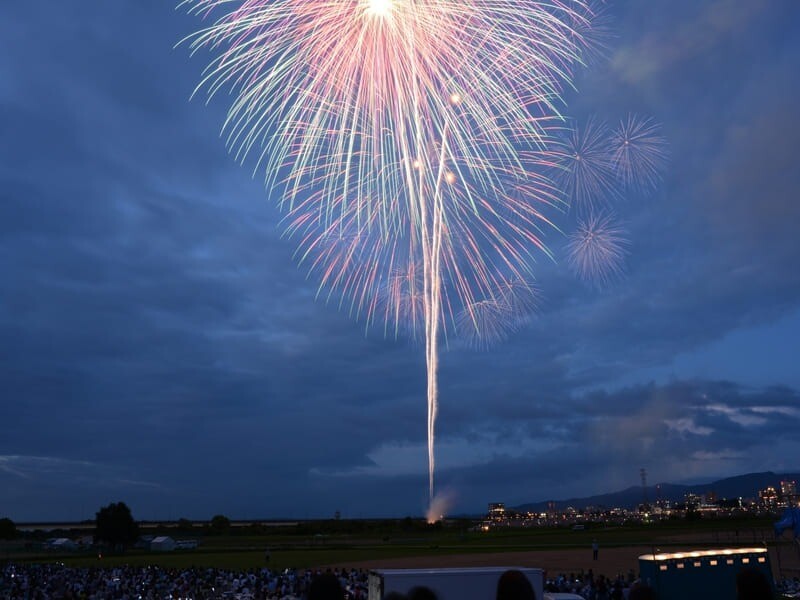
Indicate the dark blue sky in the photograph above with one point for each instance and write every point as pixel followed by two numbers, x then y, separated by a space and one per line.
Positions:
pixel 159 345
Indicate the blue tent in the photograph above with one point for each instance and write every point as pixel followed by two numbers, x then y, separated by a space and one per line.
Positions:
pixel 789 520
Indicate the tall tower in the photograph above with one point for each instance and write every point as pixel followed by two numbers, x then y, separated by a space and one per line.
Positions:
pixel 643 475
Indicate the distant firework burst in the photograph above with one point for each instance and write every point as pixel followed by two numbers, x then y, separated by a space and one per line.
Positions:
pixel 586 172
pixel 492 320
pixel 640 153
pixel 406 140
pixel 597 249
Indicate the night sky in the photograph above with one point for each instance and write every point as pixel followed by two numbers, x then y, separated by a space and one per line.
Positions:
pixel 160 345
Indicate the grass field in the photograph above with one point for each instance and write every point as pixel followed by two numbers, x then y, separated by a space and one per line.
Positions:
pixel 314 548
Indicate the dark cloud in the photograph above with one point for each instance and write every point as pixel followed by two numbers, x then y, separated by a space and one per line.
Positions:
pixel 160 345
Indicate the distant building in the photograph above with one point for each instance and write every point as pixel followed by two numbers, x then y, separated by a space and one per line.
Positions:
pixel 788 489
pixel 497 511
pixel 768 497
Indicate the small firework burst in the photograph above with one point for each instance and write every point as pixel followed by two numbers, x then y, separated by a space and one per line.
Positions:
pixel 585 166
pixel 596 250
pixel 640 153
pixel 486 322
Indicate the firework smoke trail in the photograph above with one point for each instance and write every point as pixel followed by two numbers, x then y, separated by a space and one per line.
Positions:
pixel 399 134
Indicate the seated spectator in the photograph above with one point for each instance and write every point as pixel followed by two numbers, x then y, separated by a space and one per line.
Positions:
pixel 325 587
pixel 421 592
pixel 641 591
pixel 514 585
pixel 752 584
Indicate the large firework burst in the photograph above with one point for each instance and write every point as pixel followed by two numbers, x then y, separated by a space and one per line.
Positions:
pixel 407 140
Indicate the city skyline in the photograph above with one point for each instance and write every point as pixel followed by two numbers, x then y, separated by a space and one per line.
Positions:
pixel 161 346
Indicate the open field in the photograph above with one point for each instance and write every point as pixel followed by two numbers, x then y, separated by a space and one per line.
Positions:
pixel 554 549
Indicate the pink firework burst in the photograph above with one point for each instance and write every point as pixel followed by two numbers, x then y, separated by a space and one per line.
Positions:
pixel 398 135
pixel 596 250
pixel 586 172
pixel 640 153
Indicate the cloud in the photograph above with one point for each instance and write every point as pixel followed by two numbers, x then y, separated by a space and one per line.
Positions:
pixel 686 425
pixel 55 470
pixel 691 38
pixel 736 415
pixel 716 457
pixel 159 343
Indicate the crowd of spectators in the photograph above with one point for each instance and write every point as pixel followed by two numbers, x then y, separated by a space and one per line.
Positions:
pixel 51 581
pixel 597 587
pixel 789 587
pixel 57 581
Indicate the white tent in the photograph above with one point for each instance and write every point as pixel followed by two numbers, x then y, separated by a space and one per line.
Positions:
pixel 162 543
pixel 62 544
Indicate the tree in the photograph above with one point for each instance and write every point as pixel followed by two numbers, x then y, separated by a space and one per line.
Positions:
pixel 8 531
pixel 220 524
pixel 115 526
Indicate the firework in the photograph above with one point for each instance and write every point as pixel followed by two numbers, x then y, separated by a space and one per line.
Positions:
pixel 405 139
pixel 491 320
pixel 586 172
pixel 640 153
pixel 597 249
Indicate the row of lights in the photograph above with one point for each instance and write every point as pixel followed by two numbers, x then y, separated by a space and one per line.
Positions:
pixel 711 557
pixel 713 562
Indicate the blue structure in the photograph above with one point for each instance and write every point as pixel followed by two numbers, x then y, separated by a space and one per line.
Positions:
pixel 789 520
pixel 701 574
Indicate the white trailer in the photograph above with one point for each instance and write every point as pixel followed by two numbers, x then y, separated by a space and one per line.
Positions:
pixel 449 584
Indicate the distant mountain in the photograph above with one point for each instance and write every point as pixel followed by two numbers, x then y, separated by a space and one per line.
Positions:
pixel 746 486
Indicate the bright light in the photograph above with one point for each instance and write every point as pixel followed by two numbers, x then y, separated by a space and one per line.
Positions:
pixel 704 553
pixel 379 8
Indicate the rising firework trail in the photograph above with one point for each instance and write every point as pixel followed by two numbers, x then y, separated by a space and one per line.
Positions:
pixel 408 142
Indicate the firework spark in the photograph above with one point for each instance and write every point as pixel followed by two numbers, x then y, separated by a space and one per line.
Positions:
pixel 597 249
pixel 405 140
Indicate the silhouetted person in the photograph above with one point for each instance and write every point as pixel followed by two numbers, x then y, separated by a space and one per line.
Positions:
pixel 595 549
pixel 752 584
pixel 325 587
pixel 514 585
pixel 642 592
pixel 421 592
